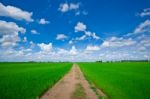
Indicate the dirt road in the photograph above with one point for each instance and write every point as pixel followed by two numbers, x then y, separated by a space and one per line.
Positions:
pixel 72 86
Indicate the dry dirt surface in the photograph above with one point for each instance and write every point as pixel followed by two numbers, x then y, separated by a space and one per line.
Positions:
pixel 66 87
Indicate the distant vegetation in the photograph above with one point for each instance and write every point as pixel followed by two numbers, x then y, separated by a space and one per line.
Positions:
pixel 127 80
pixel 100 61
pixel 25 80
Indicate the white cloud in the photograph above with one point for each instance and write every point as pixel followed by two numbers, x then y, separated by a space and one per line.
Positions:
pixel 143 27
pixel 80 38
pixel 114 48
pixel 25 39
pixel 86 35
pixel 80 27
pixel 73 51
pixel 62 51
pixel 142 48
pixel 32 45
pixel 27 50
pixel 10 28
pixel 95 36
pixel 118 42
pixel 65 7
pixel 43 21
pixel 45 47
pixel 74 6
pixel 146 12
pixel 105 44
pixel 8 41
pixel 61 37
pixel 16 13
pixel 9 33
pixel 34 32
pixel 90 53
pixel 145 41
pixel 92 48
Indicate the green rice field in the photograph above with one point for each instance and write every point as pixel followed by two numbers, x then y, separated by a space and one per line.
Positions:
pixel 127 80
pixel 29 80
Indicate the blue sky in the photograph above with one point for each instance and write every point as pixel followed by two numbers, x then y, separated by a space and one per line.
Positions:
pixel 74 30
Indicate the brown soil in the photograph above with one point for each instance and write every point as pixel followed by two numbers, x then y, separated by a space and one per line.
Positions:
pixel 67 86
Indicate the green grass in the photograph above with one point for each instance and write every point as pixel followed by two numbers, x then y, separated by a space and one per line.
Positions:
pixel 29 80
pixel 120 80
pixel 79 92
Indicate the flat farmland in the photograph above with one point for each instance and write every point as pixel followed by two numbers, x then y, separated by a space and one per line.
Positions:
pixel 29 80
pixel 127 80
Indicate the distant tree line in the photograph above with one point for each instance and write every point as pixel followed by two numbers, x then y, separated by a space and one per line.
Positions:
pixel 135 60
pixel 100 61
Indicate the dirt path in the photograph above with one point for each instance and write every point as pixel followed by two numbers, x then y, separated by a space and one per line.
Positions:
pixel 67 87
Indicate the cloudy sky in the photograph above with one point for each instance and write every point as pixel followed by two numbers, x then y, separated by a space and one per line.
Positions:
pixel 74 30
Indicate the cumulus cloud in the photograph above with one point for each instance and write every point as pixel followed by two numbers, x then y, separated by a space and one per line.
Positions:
pixel 144 41
pixel 80 38
pixel 45 54
pixel 142 48
pixel 105 44
pixel 90 53
pixel 86 35
pixel 92 48
pixel 65 7
pixel 45 47
pixel 73 51
pixel 80 27
pixel 32 45
pixel 10 28
pixel 118 42
pixel 43 21
pixel 61 37
pixel 9 33
pixel 74 6
pixel 146 12
pixel 8 41
pixel 95 36
pixel 113 48
pixel 143 27
pixel 15 13
pixel 34 32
